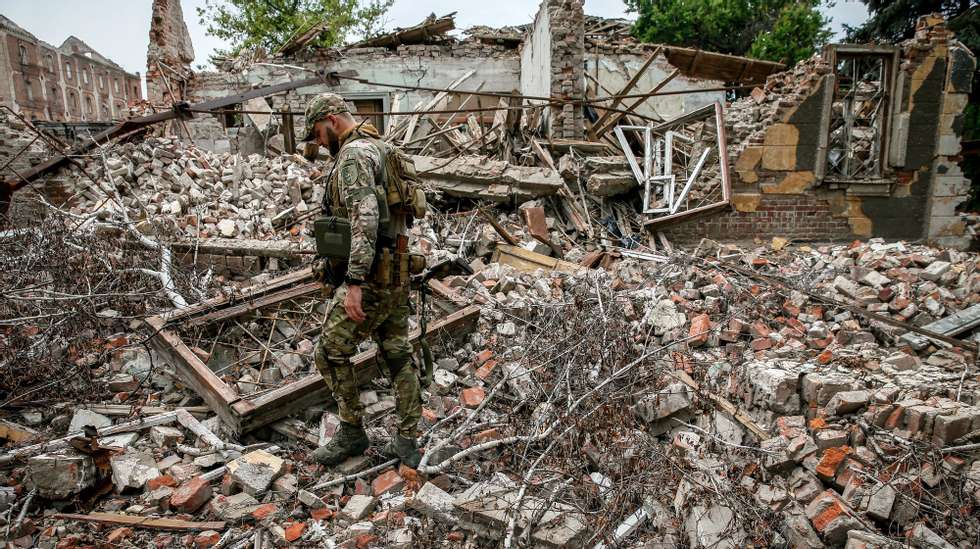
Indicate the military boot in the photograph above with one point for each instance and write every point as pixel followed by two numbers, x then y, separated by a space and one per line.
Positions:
pixel 404 449
pixel 350 440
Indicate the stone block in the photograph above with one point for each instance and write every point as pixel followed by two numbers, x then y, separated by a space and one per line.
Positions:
pixel 83 417
pixel 255 471
pixel 358 507
pixel 133 469
pixel 669 400
pixel 848 402
pixel 60 476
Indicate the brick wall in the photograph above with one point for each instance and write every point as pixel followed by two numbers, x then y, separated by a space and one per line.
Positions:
pixel 797 217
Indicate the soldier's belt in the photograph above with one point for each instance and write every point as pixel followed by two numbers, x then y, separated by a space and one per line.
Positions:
pixel 393 269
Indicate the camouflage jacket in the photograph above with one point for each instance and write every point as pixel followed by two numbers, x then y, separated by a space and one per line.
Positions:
pixel 358 170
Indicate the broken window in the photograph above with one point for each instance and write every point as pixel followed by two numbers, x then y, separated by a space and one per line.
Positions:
pixel 684 167
pixel 49 62
pixel 232 117
pixel 30 90
pixel 68 70
pixel 858 115
pixel 24 57
pixel 85 76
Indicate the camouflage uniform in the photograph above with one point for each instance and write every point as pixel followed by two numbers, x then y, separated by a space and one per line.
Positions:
pixel 358 169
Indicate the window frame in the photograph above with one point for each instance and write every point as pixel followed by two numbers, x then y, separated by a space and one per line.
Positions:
pixel 891 59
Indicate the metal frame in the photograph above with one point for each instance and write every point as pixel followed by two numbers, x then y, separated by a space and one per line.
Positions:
pixel 245 413
pixel 657 175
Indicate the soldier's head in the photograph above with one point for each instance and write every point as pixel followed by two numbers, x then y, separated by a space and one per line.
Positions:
pixel 327 118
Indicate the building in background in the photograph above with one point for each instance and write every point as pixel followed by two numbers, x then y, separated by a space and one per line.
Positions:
pixel 70 83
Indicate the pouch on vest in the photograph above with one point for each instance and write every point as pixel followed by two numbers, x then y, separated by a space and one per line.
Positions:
pixel 332 237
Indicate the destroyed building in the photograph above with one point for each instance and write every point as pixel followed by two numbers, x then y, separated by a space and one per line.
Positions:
pixel 714 302
pixel 68 83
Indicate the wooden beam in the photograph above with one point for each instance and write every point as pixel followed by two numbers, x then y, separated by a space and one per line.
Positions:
pixel 629 86
pixel 142 522
pixel 639 101
pixel 528 261
pixel 310 390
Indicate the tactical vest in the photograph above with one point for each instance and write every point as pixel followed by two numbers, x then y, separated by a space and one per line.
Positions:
pixel 400 200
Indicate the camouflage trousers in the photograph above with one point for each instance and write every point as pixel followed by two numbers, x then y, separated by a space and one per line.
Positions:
pixel 387 313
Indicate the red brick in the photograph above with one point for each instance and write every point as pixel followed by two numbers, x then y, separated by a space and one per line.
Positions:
pixel 825 357
pixel 364 541
pixel 484 372
pixel 191 495
pixel 162 480
pixel 361 488
pixel 486 436
pixel 472 397
pixel 831 460
pixel 759 329
pixel 265 510
pixel 206 539
pixel 294 530
pixel 386 482
pixel 834 510
pixel 761 344
pixel 116 536
pixel 321 514
pixel 483 356
pixel 700 328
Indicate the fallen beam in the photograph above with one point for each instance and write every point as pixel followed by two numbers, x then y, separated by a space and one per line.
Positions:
pixel 482 178
pixel 282 249
pixel 142 522
pixel 528 261
pixel 243 414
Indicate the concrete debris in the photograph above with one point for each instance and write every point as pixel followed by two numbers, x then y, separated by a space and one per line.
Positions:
pixel 614 372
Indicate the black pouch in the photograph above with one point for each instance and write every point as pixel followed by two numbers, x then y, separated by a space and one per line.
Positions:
pixel 332 237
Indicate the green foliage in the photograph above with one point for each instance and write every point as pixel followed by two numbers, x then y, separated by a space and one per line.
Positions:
pixel 782 43
pixel 247 24
pixel 776 30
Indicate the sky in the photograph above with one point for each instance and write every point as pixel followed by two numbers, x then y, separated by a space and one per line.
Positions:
pixel 119 29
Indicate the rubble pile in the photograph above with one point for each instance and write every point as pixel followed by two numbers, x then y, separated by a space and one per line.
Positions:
pixel 683 403
pixel 195 193
pixel 749 117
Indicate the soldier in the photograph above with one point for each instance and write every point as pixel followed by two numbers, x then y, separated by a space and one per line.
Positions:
pixel 372 300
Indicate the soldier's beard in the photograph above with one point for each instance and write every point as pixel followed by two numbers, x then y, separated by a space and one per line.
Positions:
pixel 333 142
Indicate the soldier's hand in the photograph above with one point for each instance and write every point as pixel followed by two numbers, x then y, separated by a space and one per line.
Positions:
pixel 352 304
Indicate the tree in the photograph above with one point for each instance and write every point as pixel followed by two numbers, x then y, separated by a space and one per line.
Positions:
pixel 777 30
pixel 247 24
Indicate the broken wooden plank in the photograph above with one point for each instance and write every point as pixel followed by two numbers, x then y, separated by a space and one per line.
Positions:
pixel 126 410
pixel 416 34
pixel 142 522
pixel 619 115
pixel 626 89
pixel 295 429
pixel 528 261
pixel 300 395
pixel 509 238
pixel 15 433
pixel 51 445
pixel 413 120
pixel 737 413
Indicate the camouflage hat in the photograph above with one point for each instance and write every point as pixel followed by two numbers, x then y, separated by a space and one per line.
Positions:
pixel 320 106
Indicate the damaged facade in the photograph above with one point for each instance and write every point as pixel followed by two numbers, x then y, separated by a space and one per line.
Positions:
pixel 69 83
pixel 611 371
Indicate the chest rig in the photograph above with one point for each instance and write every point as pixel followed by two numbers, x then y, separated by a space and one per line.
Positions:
pixel 400 200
